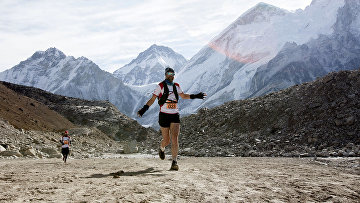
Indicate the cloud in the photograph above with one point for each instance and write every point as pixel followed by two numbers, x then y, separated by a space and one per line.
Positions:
pixel 113 32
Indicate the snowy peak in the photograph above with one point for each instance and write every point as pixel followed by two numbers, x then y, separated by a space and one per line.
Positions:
pixel 49 53
pixel 149 66
pixel 264 40
pixel 51 70
pixel 155 51
pixel 159 49
pixel 261 12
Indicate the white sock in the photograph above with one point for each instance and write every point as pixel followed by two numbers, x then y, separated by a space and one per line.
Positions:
pixel 162 148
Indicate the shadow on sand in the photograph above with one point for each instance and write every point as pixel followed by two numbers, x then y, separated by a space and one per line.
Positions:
pixel 149 171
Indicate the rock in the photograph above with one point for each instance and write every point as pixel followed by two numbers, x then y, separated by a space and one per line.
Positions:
pixel 2 148
pixel 339 122
pixel 323 154
pixel 11 146
pixel 131 147
pixel 11 153
pixel 314 105
pixel 352 154
pixel 350 120
pixel 305 155
pixel 53 153
pixel 49 150
pixel 28 151
pixel 120 151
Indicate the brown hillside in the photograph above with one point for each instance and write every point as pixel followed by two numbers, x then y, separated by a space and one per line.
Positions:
pixel 23 112
pixel 99 114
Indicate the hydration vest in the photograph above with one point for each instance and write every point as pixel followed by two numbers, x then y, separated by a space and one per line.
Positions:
pixel 65 142
pixel 163 97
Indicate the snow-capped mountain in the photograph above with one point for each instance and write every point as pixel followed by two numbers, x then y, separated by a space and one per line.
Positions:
pixel 242 60
pixel 149 66
pixel 265 49
pixel 53 71
pixel 297 64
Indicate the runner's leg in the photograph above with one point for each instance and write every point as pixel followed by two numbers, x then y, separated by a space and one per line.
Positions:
pixel 174 132
pixel 166 137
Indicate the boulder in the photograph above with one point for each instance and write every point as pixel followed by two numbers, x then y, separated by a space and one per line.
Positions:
pixel 2 148
pixel 53 153
pixel 11 153
pixel 28 151
pixel 350 120
pixel 131 147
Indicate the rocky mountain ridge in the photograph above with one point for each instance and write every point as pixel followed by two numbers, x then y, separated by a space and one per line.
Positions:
pixel 296 64
pixel 96 126
pixel 253 59
pixel 266 49
pixel 320 118
pixel 99 114
pixel 53 71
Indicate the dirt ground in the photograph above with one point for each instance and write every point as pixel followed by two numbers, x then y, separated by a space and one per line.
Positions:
pixel 148 179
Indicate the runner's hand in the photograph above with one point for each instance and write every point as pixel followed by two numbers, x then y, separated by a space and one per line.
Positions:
pixel 143 110
pixel 201 95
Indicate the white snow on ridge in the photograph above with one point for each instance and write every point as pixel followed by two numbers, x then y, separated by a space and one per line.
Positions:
pixel 267 38
pixel 223 69
pixel 149 66
pixel 252 42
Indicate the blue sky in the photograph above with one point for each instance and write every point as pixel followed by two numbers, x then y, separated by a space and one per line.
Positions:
pixel 113 32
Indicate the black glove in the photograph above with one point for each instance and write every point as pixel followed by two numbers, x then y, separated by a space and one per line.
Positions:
pixel 143 110
pixel 198 96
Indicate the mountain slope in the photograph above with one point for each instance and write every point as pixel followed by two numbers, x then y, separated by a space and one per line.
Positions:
pixel 319 118
pixel 149 66
pixel 226 66
pixel 54 72
pixel 99 114
pixel 296 64
pixel 26 113
pixel 264 50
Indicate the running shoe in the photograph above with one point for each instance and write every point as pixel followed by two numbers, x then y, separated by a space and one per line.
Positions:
pixel 174 166
pixel 161 154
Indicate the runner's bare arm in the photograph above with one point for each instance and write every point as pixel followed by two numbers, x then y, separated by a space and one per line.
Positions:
pixel 146 106
pixel 184 96
pixel 151 100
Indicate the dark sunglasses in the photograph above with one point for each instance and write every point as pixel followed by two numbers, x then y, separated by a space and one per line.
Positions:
pixel 170 73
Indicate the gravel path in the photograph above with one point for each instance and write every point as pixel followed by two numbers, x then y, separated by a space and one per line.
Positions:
pixel 148 179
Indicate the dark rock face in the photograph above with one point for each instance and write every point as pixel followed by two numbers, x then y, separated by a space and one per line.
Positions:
pixel 100 114
pixel 321 118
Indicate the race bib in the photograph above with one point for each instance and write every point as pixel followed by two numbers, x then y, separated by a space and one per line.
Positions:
pixel 171 105
pixel 66 141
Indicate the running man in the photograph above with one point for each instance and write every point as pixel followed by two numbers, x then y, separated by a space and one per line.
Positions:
pixel 168 94
pixel 65 148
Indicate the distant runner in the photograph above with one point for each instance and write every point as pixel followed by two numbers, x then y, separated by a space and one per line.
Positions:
pixel 168 93
pixel 65 148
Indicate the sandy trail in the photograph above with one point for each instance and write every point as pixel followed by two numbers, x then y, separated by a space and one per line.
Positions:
pixel 148 179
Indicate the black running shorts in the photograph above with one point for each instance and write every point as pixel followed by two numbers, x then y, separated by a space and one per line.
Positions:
pixel 165 119
pixel 65 151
